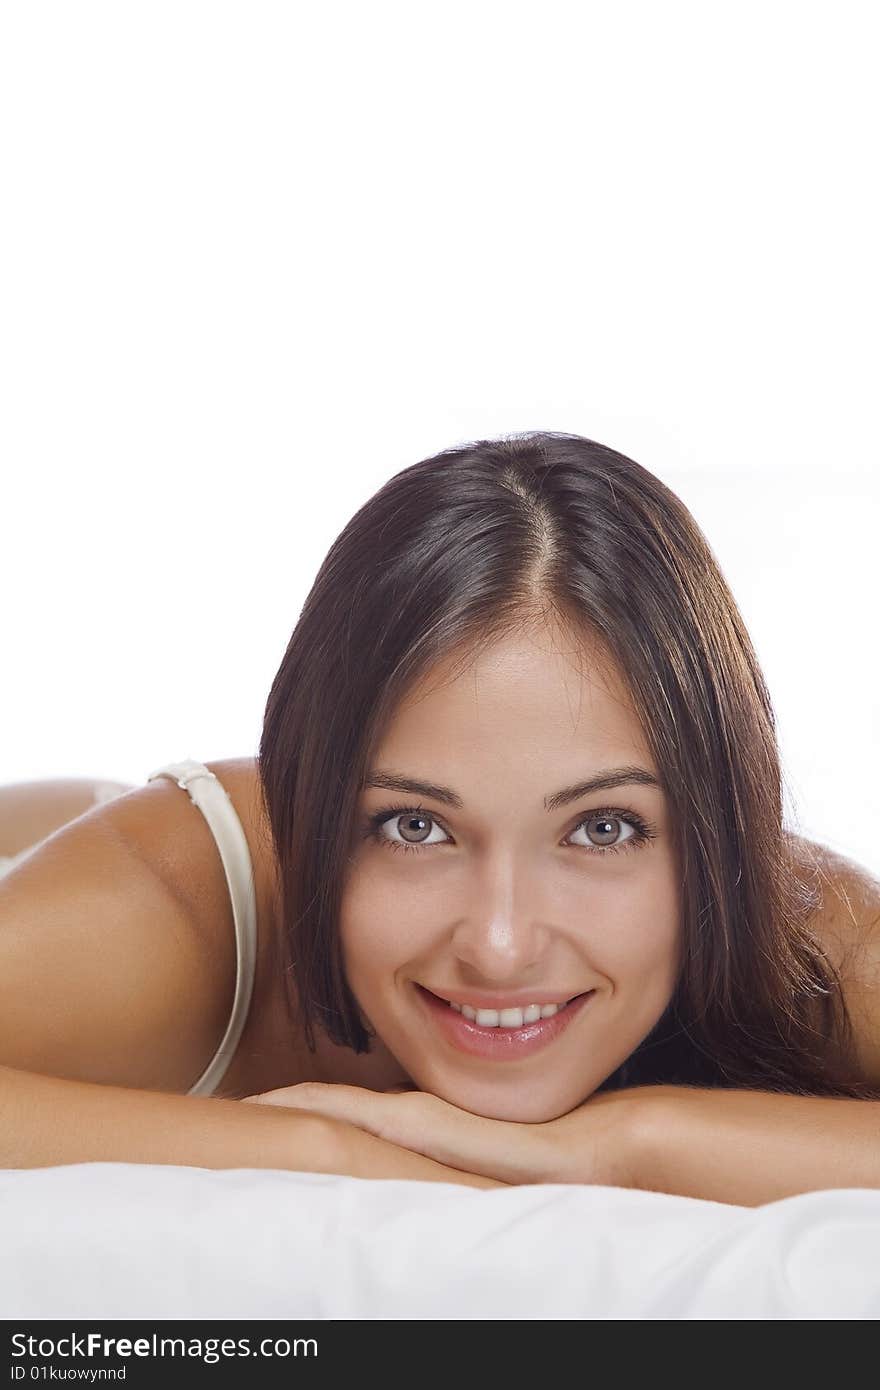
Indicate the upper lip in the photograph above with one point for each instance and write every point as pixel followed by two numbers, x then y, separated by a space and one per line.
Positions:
pixel 517 999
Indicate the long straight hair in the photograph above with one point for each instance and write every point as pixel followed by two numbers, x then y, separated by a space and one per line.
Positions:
pixel 467 545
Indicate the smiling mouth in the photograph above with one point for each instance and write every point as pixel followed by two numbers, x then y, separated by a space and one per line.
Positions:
pixel 501 1008
pixel 507 1016
pixel 501 1035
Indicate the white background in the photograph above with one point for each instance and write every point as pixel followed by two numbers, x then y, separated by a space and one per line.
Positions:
pixel 258 257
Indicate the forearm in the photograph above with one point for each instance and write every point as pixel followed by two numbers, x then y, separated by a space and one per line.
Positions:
pixel 353 1151
pixel 750 1147
pixel 46 1121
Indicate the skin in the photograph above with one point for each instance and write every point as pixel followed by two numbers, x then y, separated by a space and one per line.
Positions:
pixel 270 1055
pixel 506 895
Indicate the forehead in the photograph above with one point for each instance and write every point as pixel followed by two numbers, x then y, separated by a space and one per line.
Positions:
pixel 541 690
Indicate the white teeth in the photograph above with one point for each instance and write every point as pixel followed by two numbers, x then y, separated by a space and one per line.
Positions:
pixel 507 1018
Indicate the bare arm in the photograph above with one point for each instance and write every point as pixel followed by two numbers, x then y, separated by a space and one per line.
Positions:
pixel 751 1147
pixel 46 1122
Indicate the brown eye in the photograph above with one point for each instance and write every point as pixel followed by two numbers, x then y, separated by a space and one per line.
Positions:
pixel 410 825
pixel 408 828
pixel 413 829
pixel 603 831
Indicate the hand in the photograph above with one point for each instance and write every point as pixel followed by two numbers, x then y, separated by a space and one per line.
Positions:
pixel 595 1143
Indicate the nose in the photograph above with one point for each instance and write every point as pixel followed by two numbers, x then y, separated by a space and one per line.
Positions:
pixel 499 938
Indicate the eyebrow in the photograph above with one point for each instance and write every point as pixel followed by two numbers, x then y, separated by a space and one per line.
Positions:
pixel 602 781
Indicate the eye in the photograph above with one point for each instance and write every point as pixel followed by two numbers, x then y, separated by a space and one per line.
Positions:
pixel 414 826
pixel 607 826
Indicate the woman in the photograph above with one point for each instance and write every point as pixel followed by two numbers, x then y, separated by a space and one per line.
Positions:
pixel 519 754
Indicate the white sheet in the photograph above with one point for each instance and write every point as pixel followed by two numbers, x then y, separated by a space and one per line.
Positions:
pixel 118 1240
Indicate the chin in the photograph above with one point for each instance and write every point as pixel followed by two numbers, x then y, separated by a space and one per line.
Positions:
pixel 531 1104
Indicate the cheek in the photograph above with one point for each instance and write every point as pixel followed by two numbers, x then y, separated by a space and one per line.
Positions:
pixel 388 920
pixel 642 943
pixel 379 926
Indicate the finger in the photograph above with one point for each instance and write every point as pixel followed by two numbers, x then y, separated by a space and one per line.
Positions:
pixel 426 1124
pixel 369 1110
pixel 355 1104
pixel 431 1126
pixel 288 1096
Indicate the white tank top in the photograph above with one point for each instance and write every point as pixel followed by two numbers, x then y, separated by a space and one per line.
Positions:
pixel 208 793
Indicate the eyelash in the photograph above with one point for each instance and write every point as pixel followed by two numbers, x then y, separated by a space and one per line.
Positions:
pixel 644 831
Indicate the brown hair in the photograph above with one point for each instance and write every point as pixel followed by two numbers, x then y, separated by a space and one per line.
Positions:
pixel 466 545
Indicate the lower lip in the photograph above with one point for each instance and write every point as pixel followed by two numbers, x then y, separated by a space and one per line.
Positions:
pixel 499 1044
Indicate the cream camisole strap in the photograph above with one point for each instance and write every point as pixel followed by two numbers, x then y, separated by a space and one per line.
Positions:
pixel 208 793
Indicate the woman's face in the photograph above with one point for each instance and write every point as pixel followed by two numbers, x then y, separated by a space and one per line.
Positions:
pixel 499 899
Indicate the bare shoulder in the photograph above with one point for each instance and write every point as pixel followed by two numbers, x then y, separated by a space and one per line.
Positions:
pixel 850 910
pixel 847 925
pixel 117 939
pixel 167 829
pixel 164 825
pixel 104 974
